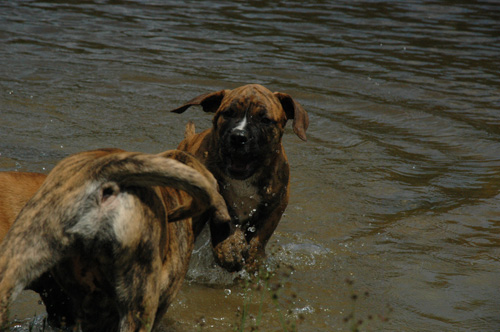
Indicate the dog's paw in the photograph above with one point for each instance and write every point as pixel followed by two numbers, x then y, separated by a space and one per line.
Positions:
pixel 232 253
pixel 256 255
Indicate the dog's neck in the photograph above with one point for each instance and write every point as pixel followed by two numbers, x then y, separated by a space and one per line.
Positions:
pixel 246 198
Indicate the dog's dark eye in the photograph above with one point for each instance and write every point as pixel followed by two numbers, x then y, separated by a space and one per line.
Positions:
pixel 267 121
pixel 228 114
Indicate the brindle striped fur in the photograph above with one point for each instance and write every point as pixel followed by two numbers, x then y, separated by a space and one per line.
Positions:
pixel 114 229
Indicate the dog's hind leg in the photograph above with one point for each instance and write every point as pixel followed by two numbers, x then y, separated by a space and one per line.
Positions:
pixel 139 300
pixel 25 254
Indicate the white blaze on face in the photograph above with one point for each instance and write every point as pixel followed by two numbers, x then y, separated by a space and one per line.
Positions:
pixel 242 124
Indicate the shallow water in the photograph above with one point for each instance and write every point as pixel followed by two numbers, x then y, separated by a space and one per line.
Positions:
pixel 397 188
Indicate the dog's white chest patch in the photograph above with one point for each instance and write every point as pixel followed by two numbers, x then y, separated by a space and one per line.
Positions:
pixel 243 197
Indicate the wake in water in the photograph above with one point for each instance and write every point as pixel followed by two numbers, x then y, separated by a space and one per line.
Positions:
pixel 204 270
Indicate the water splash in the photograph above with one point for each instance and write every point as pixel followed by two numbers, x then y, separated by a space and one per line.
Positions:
pixel 35 324
pixel 202 268
pixel 299 254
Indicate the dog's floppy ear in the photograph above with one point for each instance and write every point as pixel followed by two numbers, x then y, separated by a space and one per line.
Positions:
pixel 295 111
pixel 209 101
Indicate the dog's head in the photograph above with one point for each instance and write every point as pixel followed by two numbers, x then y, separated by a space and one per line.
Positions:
pixel 248 124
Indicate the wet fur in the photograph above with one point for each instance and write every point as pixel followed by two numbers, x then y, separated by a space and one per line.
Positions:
pixel 114 229
pixel 256 190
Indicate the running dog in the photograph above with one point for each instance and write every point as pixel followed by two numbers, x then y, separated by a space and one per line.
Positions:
pixel 243 150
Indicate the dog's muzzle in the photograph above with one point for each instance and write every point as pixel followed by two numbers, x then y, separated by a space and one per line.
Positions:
pixel 238 138
pixel 239 154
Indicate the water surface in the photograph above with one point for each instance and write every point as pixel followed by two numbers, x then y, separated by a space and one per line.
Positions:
pixel 397 188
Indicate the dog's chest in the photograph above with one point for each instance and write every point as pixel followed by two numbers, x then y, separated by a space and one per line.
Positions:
pixel 242 198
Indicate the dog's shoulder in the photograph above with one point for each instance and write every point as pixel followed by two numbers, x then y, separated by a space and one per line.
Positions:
pixel 196 144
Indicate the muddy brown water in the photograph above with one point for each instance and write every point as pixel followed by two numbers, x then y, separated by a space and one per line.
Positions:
pixel 397 188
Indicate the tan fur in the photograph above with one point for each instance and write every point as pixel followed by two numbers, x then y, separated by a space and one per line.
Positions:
pixel 256 192
pixel 114 229
pixel 16 188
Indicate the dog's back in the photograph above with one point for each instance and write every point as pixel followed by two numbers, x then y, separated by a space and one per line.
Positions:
pixel 16 188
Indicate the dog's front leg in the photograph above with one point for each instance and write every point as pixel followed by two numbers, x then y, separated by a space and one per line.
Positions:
pixel 230 246
pixel 258 242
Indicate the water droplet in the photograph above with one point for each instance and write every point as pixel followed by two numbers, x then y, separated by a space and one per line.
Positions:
pixel 227 291
pixel 252 212
pixel 251 229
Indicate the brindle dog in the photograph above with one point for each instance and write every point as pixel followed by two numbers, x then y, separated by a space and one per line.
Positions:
pixel 244 152
pixel 114 229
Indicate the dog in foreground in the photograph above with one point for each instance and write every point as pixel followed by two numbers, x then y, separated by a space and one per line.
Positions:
pixel 115 230
pixel 244 152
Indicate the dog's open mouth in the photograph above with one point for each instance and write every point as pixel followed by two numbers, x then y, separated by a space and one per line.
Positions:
pixel 240 168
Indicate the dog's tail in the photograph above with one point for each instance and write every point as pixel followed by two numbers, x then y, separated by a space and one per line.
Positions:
pixel 162 170
pixel 190 130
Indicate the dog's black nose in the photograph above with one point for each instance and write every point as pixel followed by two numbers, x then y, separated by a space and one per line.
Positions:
pixel 239 137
